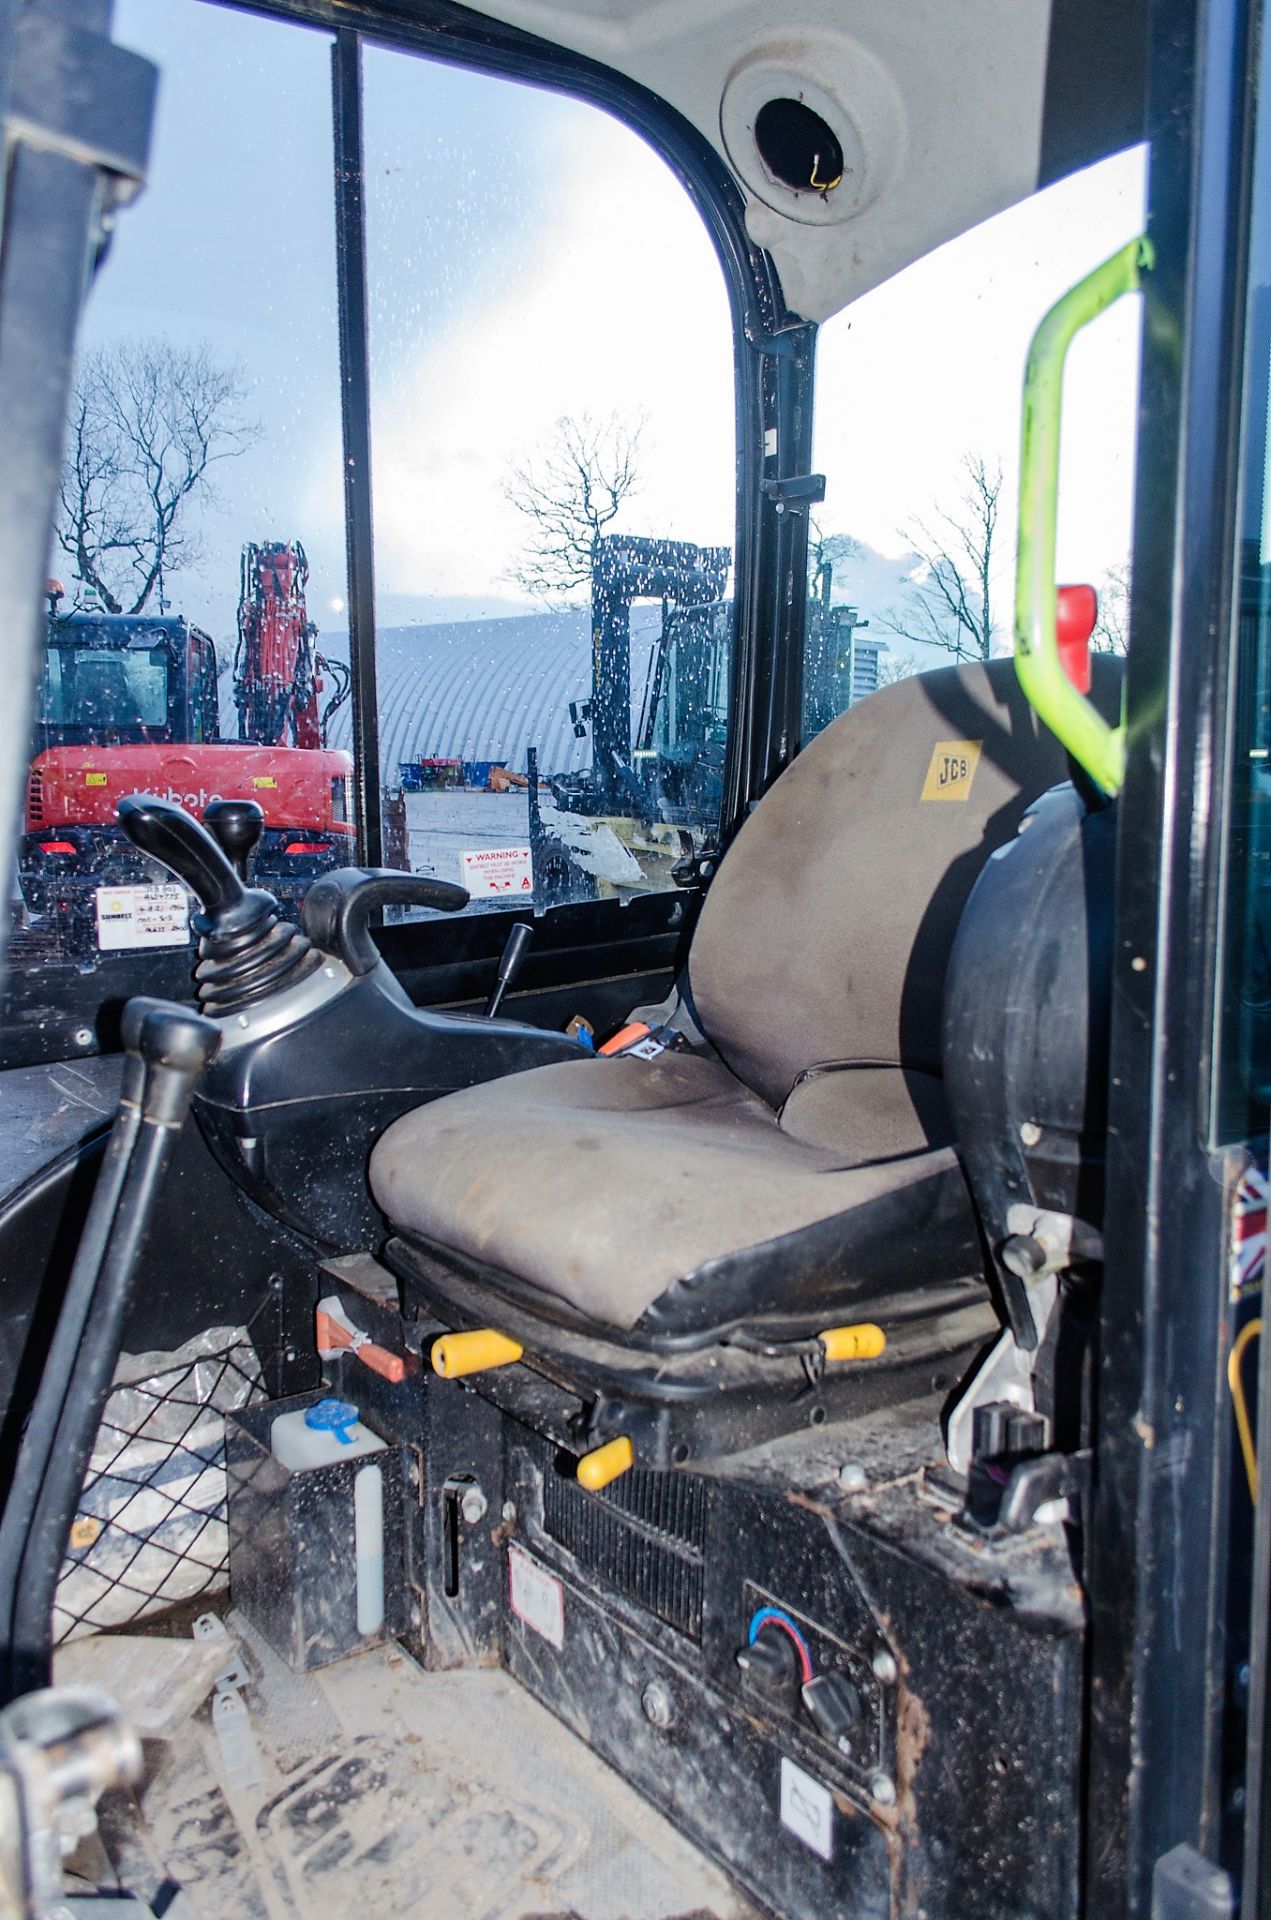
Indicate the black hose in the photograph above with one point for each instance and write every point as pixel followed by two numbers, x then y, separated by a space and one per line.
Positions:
pixel 168 1046
pixel 79 1418
pixel 40 1435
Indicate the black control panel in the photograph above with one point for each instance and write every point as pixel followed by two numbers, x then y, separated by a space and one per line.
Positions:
pixel 844 1721
pixel 799 1673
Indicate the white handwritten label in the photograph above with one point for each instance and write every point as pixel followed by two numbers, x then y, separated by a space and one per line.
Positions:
pixel 537 1596
pixel 497 870
pixel 130 917
pixel 807 1808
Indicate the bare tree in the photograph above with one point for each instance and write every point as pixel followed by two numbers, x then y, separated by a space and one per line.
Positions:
pixel 825 552
pixel 899 666
pixel 949 603
pixel 147 423
pixel 570 495
pixel 1112 628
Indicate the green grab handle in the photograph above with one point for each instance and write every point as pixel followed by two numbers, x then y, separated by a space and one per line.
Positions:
pixel 1073 719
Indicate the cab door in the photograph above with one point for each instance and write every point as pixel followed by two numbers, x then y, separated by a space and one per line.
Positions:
pixel 1185 1241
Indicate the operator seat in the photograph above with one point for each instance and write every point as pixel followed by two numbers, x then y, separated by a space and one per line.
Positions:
pixel 801 1164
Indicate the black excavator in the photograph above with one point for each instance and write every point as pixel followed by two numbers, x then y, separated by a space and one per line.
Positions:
pixel 661 757
pixel 666 764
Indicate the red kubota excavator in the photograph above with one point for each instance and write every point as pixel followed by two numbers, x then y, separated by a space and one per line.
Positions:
pixel 129 704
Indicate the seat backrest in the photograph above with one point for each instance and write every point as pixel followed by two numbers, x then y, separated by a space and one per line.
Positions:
pixel 826 932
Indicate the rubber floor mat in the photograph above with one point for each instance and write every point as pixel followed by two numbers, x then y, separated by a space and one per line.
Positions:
pixel 424 1796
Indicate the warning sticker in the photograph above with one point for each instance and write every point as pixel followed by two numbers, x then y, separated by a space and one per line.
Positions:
pixel 807 1808
pixel 537 1596
pixel 496 870
pixel 952 769
pixel 130 917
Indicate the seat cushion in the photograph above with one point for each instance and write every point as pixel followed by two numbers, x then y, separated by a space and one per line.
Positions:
pixel 631 1189
pixel 859 1111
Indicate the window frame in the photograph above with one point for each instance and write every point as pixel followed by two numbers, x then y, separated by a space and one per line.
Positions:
pixel 773 356
pixel 1164 1728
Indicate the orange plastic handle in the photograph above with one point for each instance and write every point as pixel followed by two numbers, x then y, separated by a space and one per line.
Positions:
pixel 332 1336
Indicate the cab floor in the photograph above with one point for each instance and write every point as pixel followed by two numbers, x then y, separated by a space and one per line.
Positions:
pixel 385 1790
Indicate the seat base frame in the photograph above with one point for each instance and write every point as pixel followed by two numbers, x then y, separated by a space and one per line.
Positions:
pixel 709 1402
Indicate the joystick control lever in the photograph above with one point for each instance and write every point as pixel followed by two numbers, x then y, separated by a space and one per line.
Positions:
pixel 338 908
pixel 510 962
pixel 176 840
pixel 321 1047
pixel 246 950
pixel 237 826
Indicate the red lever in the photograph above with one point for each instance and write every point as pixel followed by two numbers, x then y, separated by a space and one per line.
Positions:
pixel 1076 610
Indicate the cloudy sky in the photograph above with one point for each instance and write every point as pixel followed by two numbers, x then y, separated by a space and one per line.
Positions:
pixel 530 258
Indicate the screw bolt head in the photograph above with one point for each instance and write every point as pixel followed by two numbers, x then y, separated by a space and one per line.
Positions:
pixel 474 1506
pixel 884 1665
pixel 853 1477
pixel 883 1788
pixel 658 1704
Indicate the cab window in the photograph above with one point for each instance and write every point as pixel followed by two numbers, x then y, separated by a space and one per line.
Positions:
pixel 197 568
pixel 553 476
pixel 911 558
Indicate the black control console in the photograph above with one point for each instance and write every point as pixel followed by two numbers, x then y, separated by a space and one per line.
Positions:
pixel 836 1693
pixel 321 1047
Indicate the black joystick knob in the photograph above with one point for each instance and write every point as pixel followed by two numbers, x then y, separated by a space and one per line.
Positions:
pixel 176 840
pixel 237 825
pixel 246 950
pixel 509 965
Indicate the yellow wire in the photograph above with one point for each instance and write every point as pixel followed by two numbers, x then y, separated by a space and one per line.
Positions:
pixel 822 186
pixel 1244 1426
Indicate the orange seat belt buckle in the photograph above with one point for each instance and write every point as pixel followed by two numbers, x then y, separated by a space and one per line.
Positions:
pixel 625 1037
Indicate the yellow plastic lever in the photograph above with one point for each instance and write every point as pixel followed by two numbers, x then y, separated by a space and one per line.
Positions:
pixel 456 1354
pixel 597 1469
pixel 863 1342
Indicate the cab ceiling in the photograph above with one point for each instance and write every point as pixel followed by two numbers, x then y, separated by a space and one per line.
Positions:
pixel 946 111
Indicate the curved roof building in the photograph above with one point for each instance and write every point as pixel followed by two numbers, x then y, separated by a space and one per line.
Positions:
pixel 490 689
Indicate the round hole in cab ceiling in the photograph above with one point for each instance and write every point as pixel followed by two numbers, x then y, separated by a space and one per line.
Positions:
pixel 816 150
pixel 800 149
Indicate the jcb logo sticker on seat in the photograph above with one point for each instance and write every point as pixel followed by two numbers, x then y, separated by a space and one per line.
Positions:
pixel 952 769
